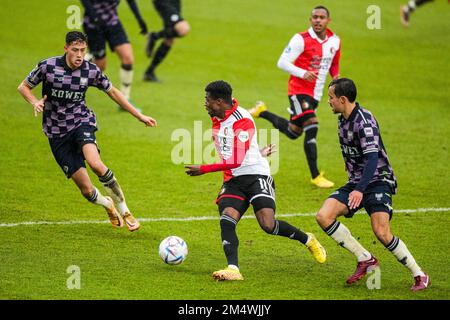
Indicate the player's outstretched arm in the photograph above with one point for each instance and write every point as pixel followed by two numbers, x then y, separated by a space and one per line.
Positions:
pixel 38 104
pixel 120 99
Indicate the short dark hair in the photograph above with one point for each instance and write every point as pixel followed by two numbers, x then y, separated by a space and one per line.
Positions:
pixel 344 87
pixel 220 89
pixel 324 8
pixel 75 36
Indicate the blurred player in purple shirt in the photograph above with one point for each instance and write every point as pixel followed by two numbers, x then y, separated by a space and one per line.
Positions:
pixel 102 24
pixel 371 184
pixel 70 125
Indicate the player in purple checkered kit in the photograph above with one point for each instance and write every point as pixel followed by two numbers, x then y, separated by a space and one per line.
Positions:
pixel 371 184
pixel 70 125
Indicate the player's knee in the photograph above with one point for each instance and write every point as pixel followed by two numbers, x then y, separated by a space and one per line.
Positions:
pixel 266 219
pixel 293 132
pixel 98 167
pixel 232 213
pixel 383 233
pixel 182 28
pixel 127 59
pixel 87 191
pixel 324 218
pixel 268 227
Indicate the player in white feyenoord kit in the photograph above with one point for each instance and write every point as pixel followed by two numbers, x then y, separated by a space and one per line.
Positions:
pixel 309 56
pixel 247 178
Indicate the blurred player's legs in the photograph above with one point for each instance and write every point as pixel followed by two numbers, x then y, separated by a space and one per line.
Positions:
pixel 406 10
pixel 300 122
pixel 174 27
pixel 125 53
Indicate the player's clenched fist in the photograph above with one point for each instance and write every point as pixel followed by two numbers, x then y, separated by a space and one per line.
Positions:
pixel 39 105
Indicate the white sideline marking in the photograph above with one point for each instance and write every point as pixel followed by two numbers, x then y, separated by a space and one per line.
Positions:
pixel 249 216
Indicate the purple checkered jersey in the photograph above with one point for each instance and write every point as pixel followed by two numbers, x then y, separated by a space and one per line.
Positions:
pixel 358 136
pixel 65 108
pixel 105 10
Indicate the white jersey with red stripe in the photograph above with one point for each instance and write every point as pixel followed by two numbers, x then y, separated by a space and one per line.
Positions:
pixel 235 138
pixel 307 52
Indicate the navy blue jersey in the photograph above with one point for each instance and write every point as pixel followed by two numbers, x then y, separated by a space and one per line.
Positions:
pixel 65 108
pixel 360 135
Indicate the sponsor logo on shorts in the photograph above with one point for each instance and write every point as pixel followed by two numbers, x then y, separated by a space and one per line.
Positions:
pixel 379 196
pixel 389 207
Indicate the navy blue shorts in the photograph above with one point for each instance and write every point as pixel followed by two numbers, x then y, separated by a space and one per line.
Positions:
pixel 67 150
pixel 241 191
pixel 169 11
pixel 115 35
pixel 377 197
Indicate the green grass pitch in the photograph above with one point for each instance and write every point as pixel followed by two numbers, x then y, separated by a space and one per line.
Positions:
pixel 402 77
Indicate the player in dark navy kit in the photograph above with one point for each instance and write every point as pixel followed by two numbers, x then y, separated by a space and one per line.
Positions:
pixel 101 24
pixel 70 125
pixel 371 184
pixel 174 27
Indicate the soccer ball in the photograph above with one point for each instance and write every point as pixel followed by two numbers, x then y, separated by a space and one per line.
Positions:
pixel 173 250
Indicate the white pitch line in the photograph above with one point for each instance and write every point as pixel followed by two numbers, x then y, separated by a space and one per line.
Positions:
pixel 248 216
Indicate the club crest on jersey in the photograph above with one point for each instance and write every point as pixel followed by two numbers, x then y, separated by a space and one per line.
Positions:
pixel 243 136
pixel 225 131
pixel 368 132
pixel 332 50
pixel 83 82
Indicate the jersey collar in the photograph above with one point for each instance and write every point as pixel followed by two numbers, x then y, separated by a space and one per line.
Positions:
pixel 314 35
pixel 66 66
pixel 228 112
pixel 354 112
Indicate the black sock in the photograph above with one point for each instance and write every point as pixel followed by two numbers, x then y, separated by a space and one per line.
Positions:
pixel 280 123
pixel 160 54
pixel 310 147
pixel 284 229
pixel 167 33
pixel 230 241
